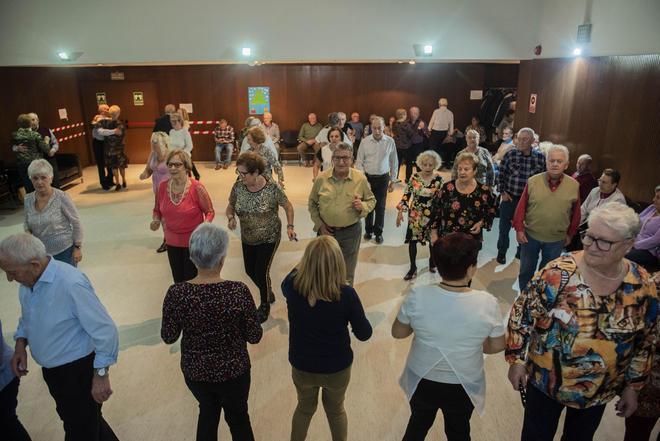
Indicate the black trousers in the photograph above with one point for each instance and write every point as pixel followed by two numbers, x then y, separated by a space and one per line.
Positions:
pixel 408 157
pixel 415 150
pixel 379 184
pixel 25 179
pixel 230 395
pixel 56 176
pixel 644 258
pixel 412 253
pixel 640 428
pixel 10 427
pixel 71 387
pixel 182 267
pixel 451 399
pixel 257 260
pixel 542 417
pixel 195 172
pixel 105 174
pixel 435 140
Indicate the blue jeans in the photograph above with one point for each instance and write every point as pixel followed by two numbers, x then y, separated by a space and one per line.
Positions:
pixel 218 153
pixel 507 209
pixel 66 256
pixel 529 257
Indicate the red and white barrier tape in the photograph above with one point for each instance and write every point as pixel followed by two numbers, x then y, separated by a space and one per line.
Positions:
pixel 66 138
pixel 203 122
pixel 70 126
pixel 201 132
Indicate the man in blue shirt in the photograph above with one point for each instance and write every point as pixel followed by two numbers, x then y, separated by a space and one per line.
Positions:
pixel 10 426
pixel 69 332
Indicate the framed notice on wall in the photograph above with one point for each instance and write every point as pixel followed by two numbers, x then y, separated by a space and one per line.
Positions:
pixel 533 98
pixel 258 100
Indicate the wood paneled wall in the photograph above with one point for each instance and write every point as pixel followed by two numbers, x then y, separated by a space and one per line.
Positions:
pixel 220 91
pixel 608 107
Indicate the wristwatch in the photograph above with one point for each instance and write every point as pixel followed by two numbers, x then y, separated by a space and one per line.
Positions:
pixel 102 372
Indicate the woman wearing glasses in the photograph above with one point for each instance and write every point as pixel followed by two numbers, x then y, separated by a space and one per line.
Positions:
pixel 182 204
pixel 255 198
pixel 581 333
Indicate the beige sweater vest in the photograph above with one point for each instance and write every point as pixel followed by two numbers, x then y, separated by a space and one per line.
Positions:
pixel 549 212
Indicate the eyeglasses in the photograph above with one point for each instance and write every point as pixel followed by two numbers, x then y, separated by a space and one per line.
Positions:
pixel 342 158
pixel 175 164
pixel 241 174
pixel 601 244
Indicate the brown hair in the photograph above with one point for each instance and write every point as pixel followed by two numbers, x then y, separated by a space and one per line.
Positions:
pixel 467 157
pixel 183 155
pixel 453 254
pixel 257 135
pixel 24 121
pixel 252 162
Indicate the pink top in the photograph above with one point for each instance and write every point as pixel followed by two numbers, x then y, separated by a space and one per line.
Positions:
pixel 159 172
pixel 179 221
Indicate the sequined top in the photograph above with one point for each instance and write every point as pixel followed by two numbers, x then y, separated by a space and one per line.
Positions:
pixel 217 321
pixel 582 349
pixel 258 211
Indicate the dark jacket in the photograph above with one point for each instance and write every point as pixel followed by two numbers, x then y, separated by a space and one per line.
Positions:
pixel 403 133
pixel 163 124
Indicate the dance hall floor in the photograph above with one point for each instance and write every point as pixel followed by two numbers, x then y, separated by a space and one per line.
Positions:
pixel 151 401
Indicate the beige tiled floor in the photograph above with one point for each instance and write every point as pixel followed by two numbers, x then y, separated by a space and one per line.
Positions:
pixel 151 401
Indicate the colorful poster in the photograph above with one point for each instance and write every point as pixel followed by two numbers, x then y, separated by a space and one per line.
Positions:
pixel 258 100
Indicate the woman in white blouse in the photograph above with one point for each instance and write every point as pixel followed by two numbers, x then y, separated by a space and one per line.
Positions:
pixel 51 216
pixel 180 138
pixel 453 326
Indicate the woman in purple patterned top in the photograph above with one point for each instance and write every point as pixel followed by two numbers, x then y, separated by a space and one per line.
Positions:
pixel 217 319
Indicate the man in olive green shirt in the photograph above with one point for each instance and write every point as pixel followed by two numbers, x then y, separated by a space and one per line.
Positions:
pixel 307 137
pixel 341 197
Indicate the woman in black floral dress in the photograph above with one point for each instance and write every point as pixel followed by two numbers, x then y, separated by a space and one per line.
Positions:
pixel 417 201
pixel 463 205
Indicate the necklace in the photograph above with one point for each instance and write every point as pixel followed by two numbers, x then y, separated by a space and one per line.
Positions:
pixel 619 274
pixel 176 198
pixel 454 286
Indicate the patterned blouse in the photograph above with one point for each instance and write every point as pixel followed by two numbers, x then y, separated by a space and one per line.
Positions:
pixel 582 349
pixel 272 163
pixel 418 201
pixel 485 171
pixel 258 212
pixel 217 320
pixel 454 211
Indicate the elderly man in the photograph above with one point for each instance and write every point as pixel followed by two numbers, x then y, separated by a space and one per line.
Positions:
pixel 584 177
pixel 441 125
pixel 339 198
pixel 378 160
pixel 69 332
pixel 517 165
pixel 105 173
pixel 307 138
pixel 53 145
pixel 272 130
pixel 162 124
pixel 9 382
pixel 548 214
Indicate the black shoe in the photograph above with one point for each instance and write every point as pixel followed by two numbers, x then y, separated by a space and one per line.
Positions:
pixel 379 239
pixel 162 248
pixel 123 185
pixel 118 187
pixel 431 266
pixel 106 187
pixel 518 253
pixel 411 274
pixel 367 236
pixel 271 297
pixel 501 258
pixel 263 311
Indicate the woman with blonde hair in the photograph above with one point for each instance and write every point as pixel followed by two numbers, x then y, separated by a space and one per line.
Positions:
pixel 320 307
pixel 157 167
pixel 180 137
pixel 113 131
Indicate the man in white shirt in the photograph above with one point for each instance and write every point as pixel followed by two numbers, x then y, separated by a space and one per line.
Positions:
pixel 441 123
pixel 377 159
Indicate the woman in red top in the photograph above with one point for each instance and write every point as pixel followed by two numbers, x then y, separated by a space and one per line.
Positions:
pixel 182 203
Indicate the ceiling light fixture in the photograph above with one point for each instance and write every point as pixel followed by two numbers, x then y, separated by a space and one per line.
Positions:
pixel 428 49
pixel 64 56
pixel 246 51
pixel 411 62
pixel 577 51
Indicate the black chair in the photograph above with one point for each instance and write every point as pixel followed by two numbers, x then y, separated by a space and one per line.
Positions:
pixel 289 138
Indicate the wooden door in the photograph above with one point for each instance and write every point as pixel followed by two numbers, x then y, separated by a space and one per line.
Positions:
pixel 121 93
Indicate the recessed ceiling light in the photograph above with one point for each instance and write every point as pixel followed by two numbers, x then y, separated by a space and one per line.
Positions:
pixel 64 56
pixel 428 49
pixel 246 51
pixel 577 51
pixel 411 62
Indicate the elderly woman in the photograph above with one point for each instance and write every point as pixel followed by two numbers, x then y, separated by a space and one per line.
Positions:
pixel 256 138
pixel 475 125
pixel 181 205
pixel 418 202
pixel 454 325
pixel 51 216
pixel 403 132
pixel 321 306
pixel 217 318
pixel 581 332
pixel 463 204
pixel 113 131
pixel 255 199
pixel 646 250
pixel 485 170
pixel 29 146
pixel 180 138
pixel 323 155
pixel 157 167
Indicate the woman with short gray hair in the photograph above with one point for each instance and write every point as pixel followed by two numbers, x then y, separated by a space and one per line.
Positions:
pixel 51 216
pixel 594 299
pixel 217 318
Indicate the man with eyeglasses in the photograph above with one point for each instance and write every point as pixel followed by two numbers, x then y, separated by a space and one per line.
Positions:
pixel 339 198
pixel 547 216
pixel 377 158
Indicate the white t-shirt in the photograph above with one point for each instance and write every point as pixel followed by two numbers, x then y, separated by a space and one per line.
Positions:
pixel 322 137
pixel 181 139
pixel 455 323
